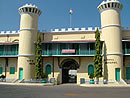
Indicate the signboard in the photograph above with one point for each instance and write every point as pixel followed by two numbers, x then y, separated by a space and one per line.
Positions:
pixel 68 50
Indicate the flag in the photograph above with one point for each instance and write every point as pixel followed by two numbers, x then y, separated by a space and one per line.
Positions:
pixel 71 11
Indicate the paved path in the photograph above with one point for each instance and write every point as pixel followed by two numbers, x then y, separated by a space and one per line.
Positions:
pixel 62 91
pixel 50 84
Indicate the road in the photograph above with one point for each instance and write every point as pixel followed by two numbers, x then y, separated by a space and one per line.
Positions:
pixel 62 91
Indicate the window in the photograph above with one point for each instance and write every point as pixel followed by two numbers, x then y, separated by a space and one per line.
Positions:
pixel 90 69
pixel 1 70
pixel 39 12
pixel 92 48
pixel 108 4
pixel 48 69
pixel 1 49
pixel 12 70
pixel 76 47
pixel 105 5
pixel 118 5
pixel 102 6
pixel 22 10
pixel 33 10
pixel 115 4
pixel 84 49
pixel 36 11
pixel 54 49
pixel 29 9
pixel 128 47
pixel 26 9
pixel 112 4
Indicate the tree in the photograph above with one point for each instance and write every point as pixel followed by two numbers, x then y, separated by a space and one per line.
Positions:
pixel 98 57
pixel 38 63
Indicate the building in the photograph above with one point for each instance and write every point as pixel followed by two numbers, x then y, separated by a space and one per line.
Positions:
pixel 67 53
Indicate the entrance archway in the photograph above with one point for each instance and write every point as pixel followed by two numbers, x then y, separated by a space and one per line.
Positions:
pixel 69 71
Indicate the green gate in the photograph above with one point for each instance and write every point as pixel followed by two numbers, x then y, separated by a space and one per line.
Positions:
pixel 48 69
pixel 90 69
pixel 1 70
pixel 117 74
pixel 128 73
pixel 21 74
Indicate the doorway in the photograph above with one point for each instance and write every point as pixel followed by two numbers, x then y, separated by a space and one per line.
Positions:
pixel 69 71
pixel 128 73
pixel 118 74
pixel 21 73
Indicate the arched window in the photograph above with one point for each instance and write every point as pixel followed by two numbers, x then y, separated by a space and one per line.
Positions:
pixel 12 69
pixel 48 69
pixel 90 69
pixel 1 70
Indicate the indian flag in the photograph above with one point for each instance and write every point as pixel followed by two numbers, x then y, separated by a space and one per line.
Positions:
pixel 70 11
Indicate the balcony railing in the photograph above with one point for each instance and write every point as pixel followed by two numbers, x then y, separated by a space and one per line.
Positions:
pixel 49 49
pixel 9 50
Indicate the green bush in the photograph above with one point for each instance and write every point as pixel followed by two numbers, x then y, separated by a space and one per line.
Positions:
pixel 2 76
pixel 91 76
pixel 45 76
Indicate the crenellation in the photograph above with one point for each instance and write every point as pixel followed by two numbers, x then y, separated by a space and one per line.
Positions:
pixel 56 30
pixel 75 29
pixel 2 32
pixel 70 29
pixel 83 29
pixel 110 4
pixel 96 28
pixel 29 8
pixel 9 32
pixel 63 29
pixel 14 32
pixel 90 28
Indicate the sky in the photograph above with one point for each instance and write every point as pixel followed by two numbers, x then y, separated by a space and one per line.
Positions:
pixel 55 14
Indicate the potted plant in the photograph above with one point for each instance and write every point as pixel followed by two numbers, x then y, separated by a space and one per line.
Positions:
pixel 44 78
pixel 2 77
pixel 91 76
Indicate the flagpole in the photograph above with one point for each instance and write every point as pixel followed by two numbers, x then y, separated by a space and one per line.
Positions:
pixel 70 20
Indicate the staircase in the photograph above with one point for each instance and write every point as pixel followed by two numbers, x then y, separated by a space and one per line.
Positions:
pixel 122 82
pixel 18 81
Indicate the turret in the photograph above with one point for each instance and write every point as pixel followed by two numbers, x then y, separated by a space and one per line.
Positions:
pixel 27 37
pixel 111 31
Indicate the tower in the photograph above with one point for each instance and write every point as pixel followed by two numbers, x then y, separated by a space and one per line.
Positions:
pixel 27 38
pixel 111 31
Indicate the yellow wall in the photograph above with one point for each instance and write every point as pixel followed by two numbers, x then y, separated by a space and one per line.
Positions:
pixel 82 72
pixel 9 38
pixel 69 36
pixel 126 34
pixel 12 62
pixel 126 62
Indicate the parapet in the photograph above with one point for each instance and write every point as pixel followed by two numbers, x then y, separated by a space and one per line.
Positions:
pixel 110 4
pixel 125 28
pixel 29 8
pixel 8 32
pixel 75 29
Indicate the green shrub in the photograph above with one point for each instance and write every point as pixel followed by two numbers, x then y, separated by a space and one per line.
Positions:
pixel 45 76
pixel 91 76
pixel 2 76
